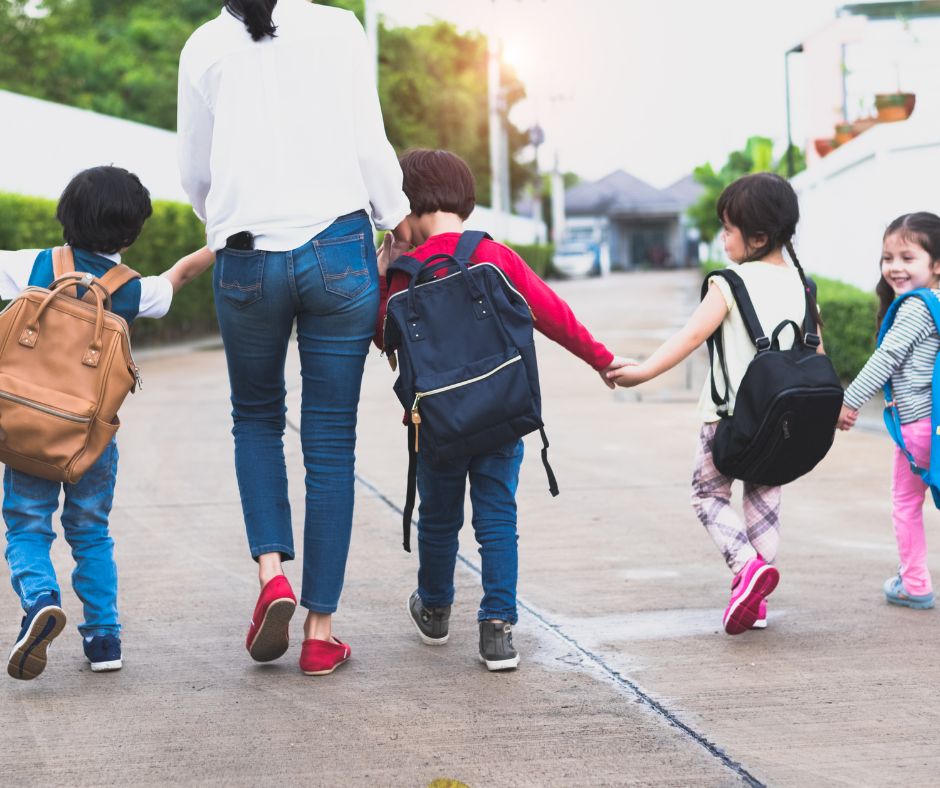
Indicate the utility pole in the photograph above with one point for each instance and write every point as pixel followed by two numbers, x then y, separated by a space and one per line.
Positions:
pixel 495 100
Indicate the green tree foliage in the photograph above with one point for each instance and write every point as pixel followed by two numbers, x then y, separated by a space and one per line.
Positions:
pixel 757 156
pixel 433 88
pixel 120 57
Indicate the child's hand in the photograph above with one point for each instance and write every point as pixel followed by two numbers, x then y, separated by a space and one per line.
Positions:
pixel 629 375
pixel 847 418
pixel 390 250
pixel 189 267
pixel 615 364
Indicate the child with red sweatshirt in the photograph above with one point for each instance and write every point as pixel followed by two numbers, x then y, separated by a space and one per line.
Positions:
pixel 441 189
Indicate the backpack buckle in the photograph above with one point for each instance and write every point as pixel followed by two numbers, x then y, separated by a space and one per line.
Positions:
pixel 762 344
pixel 812 340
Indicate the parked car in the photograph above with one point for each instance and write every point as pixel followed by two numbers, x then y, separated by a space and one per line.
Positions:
pixel 578 258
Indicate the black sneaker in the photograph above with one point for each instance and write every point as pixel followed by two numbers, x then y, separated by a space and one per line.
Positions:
pixel 431 623
pixel 496 649
pixel 103 652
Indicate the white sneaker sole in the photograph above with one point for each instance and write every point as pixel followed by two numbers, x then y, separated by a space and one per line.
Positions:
pixel 428 641
pixel 500 664
pixel 104 667
pixel 761 623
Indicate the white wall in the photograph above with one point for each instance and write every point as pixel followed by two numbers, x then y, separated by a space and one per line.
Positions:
pixel 848 198
pixel 42 145
pixel 506 227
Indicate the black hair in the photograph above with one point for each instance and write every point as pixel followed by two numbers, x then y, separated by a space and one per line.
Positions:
pixel 438 180
pixel 103 209
pixel 256 14
pixel 923 229
pixel 764 204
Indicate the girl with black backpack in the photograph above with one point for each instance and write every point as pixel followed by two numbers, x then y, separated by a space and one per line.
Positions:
pixel 758 214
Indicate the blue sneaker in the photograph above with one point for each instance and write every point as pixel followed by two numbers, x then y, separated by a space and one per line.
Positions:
pixel 41 625
pixel 897 595
pixel 103 652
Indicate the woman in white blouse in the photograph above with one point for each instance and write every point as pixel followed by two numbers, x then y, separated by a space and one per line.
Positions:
pixel 282 152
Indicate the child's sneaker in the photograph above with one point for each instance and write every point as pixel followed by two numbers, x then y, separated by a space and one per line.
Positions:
pixel 897 595
pixel 41 625
pixel 268 633
pixel 496 650
pixel 754 582
pixel 431 622
pixel 761 622
pixel 103 652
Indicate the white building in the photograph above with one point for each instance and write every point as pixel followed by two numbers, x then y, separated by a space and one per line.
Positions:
pixel 848 197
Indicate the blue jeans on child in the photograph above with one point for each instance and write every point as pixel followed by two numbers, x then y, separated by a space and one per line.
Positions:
pixel 329 286
pixel 494 478
pixel 28 505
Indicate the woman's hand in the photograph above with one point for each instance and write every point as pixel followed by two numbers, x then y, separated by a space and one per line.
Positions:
pixel 630 375
pixel 390 250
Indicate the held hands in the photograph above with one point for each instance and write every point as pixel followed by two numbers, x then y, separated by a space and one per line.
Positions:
pixel 847 418
pixel 619 369
pixel 390 250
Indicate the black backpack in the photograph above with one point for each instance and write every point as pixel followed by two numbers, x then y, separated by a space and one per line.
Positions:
pixel 468 377
pixel 788 402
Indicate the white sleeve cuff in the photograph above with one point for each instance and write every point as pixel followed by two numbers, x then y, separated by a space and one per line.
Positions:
pixel 156 295
pixel 15 270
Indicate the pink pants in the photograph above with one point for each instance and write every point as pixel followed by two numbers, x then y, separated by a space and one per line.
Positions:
pixel 907 495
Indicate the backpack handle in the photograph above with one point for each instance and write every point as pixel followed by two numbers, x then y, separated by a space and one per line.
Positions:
pixel 797 334
pixel 474 291
pixel 30 334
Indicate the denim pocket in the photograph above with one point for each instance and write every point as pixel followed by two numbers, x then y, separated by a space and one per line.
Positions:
pixel 343 264
pixel 238 275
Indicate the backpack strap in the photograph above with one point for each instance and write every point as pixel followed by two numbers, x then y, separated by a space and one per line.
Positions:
pixel 892 417
pixel 410 489
pixel 468 243
pixel 63 262
pixel 715 342
pixel 552 482
pixel 118 276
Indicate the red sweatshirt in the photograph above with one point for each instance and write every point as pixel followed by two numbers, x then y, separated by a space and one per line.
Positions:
pixel 553 317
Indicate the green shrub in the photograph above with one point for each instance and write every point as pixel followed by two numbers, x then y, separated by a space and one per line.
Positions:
pixel 172 231
pixel 538 256
pixel 848 315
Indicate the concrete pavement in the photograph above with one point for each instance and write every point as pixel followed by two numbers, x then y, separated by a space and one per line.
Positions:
pixel 626 677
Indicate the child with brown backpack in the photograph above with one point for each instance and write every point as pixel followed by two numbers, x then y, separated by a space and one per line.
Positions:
pixel 51 439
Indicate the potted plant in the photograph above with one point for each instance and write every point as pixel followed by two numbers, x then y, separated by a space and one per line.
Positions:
pixel 863 124
pixel 894 106
pixel 824 146
pixel 844 132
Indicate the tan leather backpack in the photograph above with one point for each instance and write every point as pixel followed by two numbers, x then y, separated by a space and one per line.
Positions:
pixel 65 369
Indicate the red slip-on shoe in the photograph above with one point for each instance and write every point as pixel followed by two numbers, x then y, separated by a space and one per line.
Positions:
pixel 319 657
pixel 267 635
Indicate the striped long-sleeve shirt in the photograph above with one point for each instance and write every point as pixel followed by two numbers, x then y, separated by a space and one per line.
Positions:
pixel 907 356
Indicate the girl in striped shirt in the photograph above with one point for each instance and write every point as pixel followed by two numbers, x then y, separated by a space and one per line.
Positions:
pixel 910 259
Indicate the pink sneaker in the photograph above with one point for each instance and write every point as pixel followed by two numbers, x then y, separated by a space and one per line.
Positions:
pixel 754 582
pixel 761 622
pixel 267 636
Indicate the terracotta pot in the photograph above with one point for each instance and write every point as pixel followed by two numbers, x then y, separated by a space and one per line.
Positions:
pixel 824 146
pixel 844 132
pixel 894 106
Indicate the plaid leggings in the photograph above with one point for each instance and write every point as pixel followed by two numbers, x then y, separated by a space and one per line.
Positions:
pixel 711 499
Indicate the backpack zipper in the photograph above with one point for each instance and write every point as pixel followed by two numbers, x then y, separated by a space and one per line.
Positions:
pixel 44 408
pixel 419 395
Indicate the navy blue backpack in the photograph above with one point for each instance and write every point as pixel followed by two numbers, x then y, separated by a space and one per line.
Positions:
pixel 931 475
pixel 468 378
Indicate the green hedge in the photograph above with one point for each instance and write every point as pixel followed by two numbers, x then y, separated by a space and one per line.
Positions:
pixel 849 316
pixel 538 256
pixel 172 231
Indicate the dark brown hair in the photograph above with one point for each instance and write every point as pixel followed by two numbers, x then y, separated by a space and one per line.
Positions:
pixel 921 228
pixel 438 180
pixel 103 209
pixel 764 204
